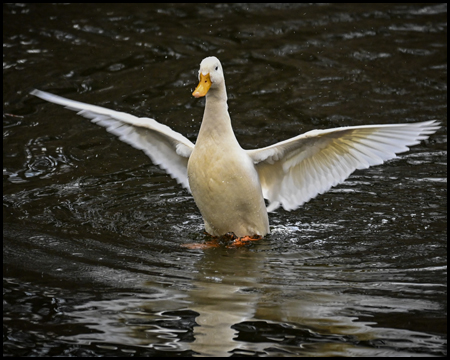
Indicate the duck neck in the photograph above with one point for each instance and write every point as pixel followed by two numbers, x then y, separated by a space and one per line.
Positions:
pixel 216 122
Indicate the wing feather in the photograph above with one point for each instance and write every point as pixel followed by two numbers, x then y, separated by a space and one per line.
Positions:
pixel 296 170
pixel 165 147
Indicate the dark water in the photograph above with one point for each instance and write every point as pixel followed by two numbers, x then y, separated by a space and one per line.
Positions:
pixel 92 263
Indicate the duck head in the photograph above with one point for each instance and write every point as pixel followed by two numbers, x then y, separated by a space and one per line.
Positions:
pixel 210 77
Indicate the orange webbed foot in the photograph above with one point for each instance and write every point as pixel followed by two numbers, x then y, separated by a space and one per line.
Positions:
pixel 245 240
pixel 230 239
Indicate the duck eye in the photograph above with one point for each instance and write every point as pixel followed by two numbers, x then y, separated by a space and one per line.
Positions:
pixel 217 68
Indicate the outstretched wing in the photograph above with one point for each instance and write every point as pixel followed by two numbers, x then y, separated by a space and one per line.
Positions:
pixel 296 170
pixel 165 147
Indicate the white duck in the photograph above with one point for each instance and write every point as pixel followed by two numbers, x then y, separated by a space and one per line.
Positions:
pixel 228 183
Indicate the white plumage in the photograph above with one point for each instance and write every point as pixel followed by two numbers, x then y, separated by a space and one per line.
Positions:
pixel 229 183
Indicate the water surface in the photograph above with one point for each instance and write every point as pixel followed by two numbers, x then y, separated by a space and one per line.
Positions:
pixel 92 260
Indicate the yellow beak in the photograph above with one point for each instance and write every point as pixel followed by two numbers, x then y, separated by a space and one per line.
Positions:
pixel 203 86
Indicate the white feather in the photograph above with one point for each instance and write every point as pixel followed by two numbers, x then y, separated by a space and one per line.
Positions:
pixel 296 170
pixel 165 147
